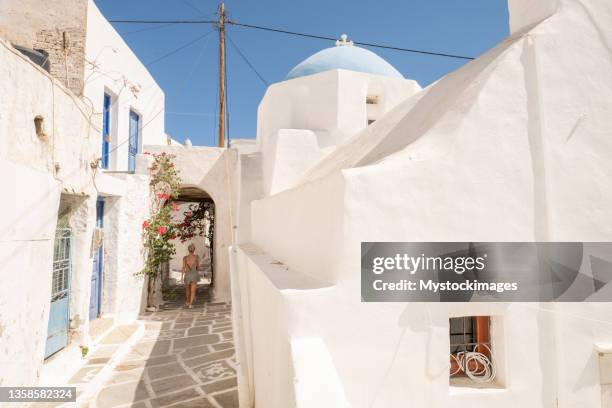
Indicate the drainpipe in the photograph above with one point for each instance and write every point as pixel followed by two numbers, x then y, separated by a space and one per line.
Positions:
pixel 244 387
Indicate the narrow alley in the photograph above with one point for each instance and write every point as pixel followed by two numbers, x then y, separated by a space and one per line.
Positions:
pixel 181 358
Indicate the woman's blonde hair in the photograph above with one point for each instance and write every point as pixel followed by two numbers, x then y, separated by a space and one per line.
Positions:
pixel 191 247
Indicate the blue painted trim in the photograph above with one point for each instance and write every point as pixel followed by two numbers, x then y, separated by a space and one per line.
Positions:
pixel 95 299
pixel 134 137
pixel 58 317
pixel 106 130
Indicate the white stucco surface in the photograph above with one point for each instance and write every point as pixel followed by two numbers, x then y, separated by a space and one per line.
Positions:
pixel 123 291
pixel 211 170
pixel 112 67
pixel 31 240
pixel 512 146
pixel 302 120
pixel 47 167
pixel 42 172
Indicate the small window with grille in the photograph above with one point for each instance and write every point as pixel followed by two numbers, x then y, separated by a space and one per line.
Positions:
pixel 471 355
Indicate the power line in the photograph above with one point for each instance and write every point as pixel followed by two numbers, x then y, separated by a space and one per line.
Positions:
pixel 163 106
pixel 155 27
pixel 188 3
pixel 139 131
pixel 163 21
pixel 278 30
pixel 209 114
pixel 235 46
pixel 195 40
pixel 367 44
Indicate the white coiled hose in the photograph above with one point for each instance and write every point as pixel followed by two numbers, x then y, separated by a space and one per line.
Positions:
pixel 485 369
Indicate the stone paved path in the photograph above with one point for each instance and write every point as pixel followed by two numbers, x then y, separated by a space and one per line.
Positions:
pixel 184 359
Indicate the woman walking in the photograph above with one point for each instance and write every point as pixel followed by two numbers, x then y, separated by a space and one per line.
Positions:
pixel 190 275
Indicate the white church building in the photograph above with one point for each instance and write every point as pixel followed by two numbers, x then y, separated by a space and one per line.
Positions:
pixel 513 146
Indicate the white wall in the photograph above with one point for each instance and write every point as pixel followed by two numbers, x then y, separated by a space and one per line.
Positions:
pixel 26 254
pixel 211 169
pixel 524 12
pixel 302 120
pixel 513 146
pixel 32 186
pixel 249 187
pixel 123 247
pixel 38 171
pixel 112 67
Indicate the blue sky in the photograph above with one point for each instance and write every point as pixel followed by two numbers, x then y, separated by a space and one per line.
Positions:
pixel 189 77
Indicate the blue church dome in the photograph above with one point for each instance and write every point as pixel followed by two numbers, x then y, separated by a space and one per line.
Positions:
pixel 344 56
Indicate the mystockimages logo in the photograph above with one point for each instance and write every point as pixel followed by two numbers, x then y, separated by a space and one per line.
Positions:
pixel 412 265
pixel 485 271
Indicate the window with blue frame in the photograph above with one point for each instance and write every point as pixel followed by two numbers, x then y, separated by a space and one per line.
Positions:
pixel 134 138
pixel 106 130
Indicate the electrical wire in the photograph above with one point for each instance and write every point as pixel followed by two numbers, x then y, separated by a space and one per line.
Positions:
pixel 116 99
pixel 139 130
pixel 195 64
pixel 182 47
pixel 157 27
pixel 295 33
pixel 191 113
pixel 235 46
pixel 164 21
pixel 193 68
pixel 188 3
pixel 367 44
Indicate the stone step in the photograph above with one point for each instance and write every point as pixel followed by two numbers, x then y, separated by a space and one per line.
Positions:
pixel 99 327
pixel 102 359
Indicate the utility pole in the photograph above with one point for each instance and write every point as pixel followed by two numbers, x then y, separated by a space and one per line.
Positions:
pixel 221 138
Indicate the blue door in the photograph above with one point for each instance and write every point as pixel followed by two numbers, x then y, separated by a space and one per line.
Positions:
pixel 134 137
pixel 96 275
pixel 106 130
pixel 57 331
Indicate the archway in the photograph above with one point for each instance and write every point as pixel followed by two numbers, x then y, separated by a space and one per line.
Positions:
pixel 194 217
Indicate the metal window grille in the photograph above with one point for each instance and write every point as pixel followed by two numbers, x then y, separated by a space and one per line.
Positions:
pixel 462 334
pixel 61 264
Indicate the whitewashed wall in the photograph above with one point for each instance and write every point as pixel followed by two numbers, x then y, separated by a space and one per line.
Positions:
pixel 37 172
pixel 30 216
pixel 112 67
pixel 123 248
pixel 211 169
pixel 513 146
pixel 302 120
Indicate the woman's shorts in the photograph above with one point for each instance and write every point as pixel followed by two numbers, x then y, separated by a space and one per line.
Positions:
pixel 192 277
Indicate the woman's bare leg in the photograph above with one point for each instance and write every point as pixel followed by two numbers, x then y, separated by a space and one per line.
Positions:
pixel 193 292
pixel 187 293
